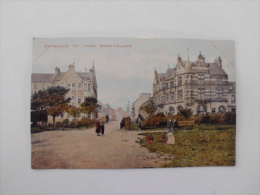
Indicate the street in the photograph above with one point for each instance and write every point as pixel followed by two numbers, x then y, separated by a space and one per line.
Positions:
pixel 83 149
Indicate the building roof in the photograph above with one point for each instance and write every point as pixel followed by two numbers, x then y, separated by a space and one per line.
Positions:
pixel 169 73
pixel 84 75
pixel 47 77
pixel 214 68
pixel 44 77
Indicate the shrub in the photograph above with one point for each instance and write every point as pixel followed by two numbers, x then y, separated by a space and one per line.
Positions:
pixel 73 124
pixel 133 126
pixel 58 124
pixel 65 123
pixel 230 118
pixel 156 121
pixel 186 113
pixel 86 122
pixel 36 130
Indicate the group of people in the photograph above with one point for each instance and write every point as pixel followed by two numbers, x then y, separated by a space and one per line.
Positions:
pixel 169 139
pixel 100 127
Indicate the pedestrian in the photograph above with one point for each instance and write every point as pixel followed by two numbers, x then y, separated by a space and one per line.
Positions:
pixel 171 125
pixel 171 138
pixel 175 124
pixel 98 127
pixel 102 128
pixel 122 124
pixel 139 122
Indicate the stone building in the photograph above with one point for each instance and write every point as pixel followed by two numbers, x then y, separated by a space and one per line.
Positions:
pixel 105 110
pixel 137 104
pixel 81 84
pixel 199 86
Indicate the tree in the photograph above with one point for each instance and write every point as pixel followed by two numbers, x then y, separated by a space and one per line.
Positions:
pixel 89 105
pixel 149 108
pixel 74 112
pixel 52 100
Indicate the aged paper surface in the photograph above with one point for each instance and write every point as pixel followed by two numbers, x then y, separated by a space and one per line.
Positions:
pixel 111 103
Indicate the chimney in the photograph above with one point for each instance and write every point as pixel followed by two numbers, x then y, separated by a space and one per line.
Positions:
pixel 57 70
pixel 72 67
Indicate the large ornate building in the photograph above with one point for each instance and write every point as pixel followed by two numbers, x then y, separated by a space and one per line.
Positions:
pixel 199 86
pixel 81 84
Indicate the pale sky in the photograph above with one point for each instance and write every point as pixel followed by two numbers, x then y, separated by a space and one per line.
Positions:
pixel 123 73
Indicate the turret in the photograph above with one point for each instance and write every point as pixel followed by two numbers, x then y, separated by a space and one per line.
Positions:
pixel 72 67
pixel 218 61
pixel 156 81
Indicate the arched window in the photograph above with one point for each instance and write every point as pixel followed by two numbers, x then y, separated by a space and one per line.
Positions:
pixel 171 110
pixel 221 109
pixel 201 109
pixel 180 107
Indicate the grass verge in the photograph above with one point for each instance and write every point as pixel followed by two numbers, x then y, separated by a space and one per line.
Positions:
pixel 194 148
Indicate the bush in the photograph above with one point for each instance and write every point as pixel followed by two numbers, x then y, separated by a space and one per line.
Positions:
pixel 186 113
pixel 155 121
pixel 134 126
pixel 230 118
pixel 86 122
pixel 218 118
pixel 36 130
pixel 66 123
pixel 58 124
pixel 73 124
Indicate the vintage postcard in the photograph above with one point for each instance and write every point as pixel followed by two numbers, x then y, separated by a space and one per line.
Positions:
pixel 118 103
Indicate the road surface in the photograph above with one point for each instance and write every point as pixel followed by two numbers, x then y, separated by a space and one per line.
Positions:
pixel 83 149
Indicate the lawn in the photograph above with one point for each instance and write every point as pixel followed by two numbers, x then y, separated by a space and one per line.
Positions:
pixel 194 148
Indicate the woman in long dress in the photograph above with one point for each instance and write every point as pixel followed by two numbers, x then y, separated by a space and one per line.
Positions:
pixel 98 127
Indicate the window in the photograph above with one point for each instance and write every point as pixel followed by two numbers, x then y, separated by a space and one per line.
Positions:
pixel 172 96
pixel 179 94
pixel 79 99
pixel 179 81
pixel 201 94
pixel 219 81
pixel 68 85
pixel 88 87
pixel 233 110
pixel 43 86
pixel 233 98
pixel 213 110
pixel 171 111
pixel 35 86
pixel 85 86
pixel 221 109
pixel 219 93
pixel 180 108
pixel 167 85
pixel 79 86
pixel 201 109
pixel 171 84
pixel 73 86
pixel 230 87
pixel 201 79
